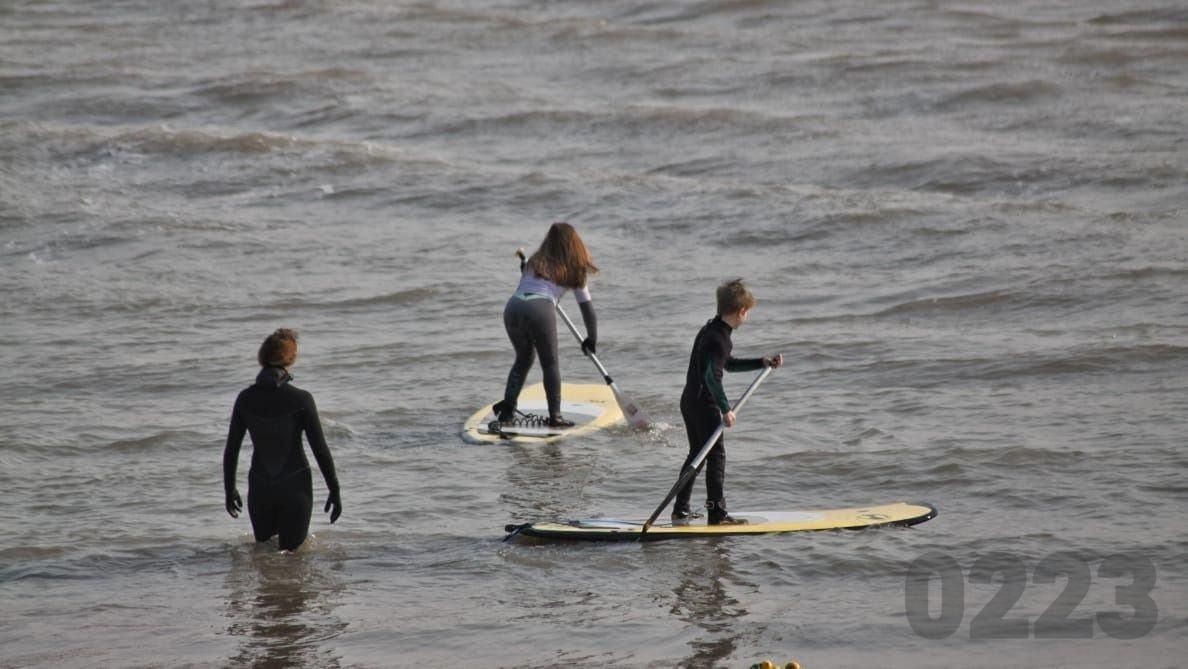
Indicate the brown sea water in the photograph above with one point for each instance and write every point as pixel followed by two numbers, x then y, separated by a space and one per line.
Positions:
pixel 966 223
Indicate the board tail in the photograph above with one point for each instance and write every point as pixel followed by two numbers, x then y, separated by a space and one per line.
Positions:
pixel 515 530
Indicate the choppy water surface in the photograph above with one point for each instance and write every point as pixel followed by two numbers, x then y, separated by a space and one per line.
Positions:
pixel 967 225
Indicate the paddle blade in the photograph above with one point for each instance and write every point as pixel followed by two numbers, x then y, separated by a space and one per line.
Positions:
pixel 636 416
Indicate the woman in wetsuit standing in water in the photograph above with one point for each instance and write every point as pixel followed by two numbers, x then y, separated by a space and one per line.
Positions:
pixel 275 413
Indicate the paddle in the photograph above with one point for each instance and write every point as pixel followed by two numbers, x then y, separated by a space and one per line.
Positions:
pixel 635 415
pixel 691 470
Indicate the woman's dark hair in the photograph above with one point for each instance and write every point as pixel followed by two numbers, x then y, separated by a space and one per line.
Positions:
pixel 279 349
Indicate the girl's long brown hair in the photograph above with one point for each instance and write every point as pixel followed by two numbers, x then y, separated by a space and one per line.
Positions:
pixel 563 257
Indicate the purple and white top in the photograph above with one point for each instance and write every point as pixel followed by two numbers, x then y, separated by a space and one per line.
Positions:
pixel 532 286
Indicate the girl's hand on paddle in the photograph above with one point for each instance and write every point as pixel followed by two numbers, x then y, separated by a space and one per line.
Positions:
pixel 775 360
pixel 728 418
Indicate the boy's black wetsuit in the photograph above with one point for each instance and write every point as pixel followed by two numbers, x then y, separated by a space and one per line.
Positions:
pixel 702 404
pixel 280 487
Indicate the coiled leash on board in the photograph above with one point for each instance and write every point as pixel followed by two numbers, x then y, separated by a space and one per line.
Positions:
pixel 523 420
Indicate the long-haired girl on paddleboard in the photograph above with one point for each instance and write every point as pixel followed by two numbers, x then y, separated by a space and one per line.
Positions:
pixel 561 263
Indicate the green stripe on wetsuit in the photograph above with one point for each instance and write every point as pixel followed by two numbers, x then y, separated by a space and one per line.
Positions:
pixel 714 384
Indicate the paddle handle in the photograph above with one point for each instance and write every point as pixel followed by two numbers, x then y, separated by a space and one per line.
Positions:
pixel 691 470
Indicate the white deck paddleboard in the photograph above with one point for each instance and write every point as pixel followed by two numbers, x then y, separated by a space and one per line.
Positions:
pixel 758 522
pixel 590 406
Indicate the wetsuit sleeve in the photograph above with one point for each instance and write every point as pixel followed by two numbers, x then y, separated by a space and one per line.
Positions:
pixel 589 320
pixel 713 367
pixel 743 364
pixel 231 451
pixel 317 443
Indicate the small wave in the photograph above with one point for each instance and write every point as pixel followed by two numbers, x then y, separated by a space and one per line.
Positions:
pixel 1085 55
pixel 886 66
pixel 1176 489
pixel 251 88
pixel 94 143
pixel 713 118
pixel 1147 273
pixel 31 553
pixel 595 30
pixel 22 572
pixel 167 439
pixel 1125 81
pixel 1001 93
pixel 692 168
pixel 489 18
pixel 165 140
pixel 1000 370
pixel 1152 354
pixel 985 20
pixel 663 13
pixel 939 371
pixel 398 298
pixel 873 437
pixel 949 304
pixel 528 121
pixel 73 565
pixel 1092 361
pixel 1173 15
pixel 1021 456
pixel 961 174
pixel 631 121
pixel 1174 34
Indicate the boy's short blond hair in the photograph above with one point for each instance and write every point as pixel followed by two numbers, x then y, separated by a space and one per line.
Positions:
pixel 733 297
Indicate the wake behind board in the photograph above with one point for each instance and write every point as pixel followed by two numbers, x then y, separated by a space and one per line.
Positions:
pixel 590 406
pixel 758 522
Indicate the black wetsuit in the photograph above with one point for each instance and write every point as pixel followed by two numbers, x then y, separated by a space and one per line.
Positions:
pixel 702 404
pixel 280 486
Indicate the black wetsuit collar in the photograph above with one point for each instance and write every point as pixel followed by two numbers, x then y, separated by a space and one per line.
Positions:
pixel 718 319
pixel 273 377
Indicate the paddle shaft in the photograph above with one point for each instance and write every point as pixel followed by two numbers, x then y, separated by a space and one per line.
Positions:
pixel 691 470
pixel 597 363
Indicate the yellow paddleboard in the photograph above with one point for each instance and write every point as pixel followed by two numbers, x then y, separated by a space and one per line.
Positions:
pixel 758 522
pixel 591 406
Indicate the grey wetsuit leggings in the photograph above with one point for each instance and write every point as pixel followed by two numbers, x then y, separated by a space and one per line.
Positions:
pixel 532 327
